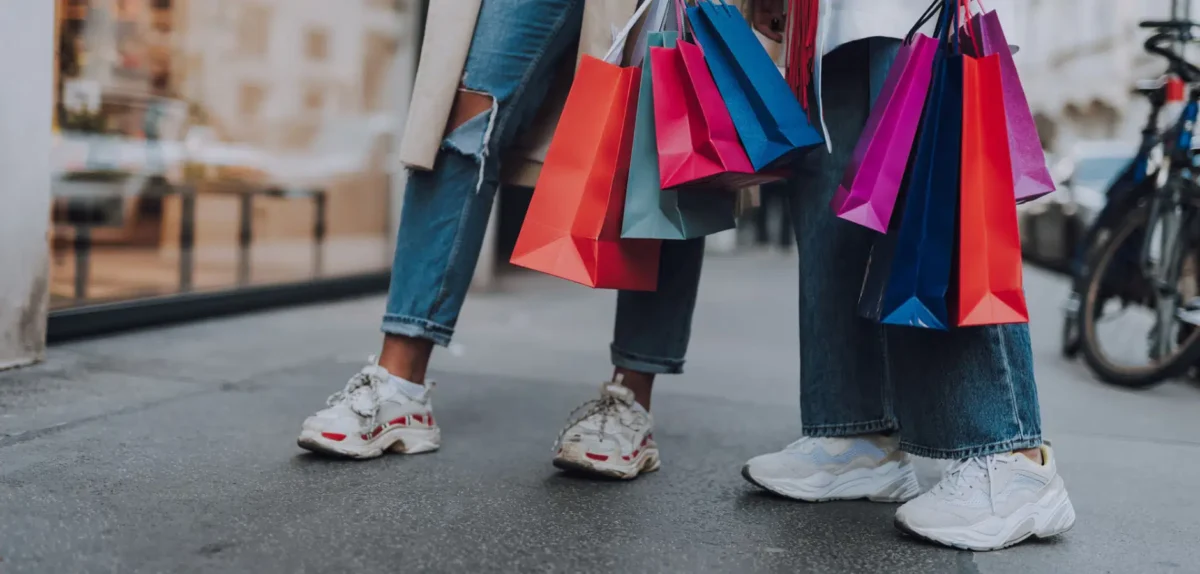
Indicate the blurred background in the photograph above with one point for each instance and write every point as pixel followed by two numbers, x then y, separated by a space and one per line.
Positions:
pixel 205 145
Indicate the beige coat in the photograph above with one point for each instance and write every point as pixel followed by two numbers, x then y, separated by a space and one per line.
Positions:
pixel 449 26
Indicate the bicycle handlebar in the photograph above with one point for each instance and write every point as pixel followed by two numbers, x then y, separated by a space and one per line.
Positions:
pixel 1186 70
pixel 1177 25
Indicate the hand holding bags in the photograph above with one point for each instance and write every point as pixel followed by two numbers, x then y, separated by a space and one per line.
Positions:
pixel 868 192
pixel 572 229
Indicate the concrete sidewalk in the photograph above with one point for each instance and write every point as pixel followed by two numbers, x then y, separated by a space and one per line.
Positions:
pixel 173 450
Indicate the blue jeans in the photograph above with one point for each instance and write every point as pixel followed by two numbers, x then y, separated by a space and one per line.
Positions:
pixel 516 51
pixel 956 394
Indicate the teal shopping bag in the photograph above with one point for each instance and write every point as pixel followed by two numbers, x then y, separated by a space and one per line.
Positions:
pixel 652 212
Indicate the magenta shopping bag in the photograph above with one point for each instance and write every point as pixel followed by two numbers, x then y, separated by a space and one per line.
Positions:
pixel 1030 173
pixel 872 181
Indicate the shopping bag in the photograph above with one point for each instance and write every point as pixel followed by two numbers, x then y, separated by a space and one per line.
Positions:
pixel 697 142
pixel 573 226
pixel 772 126
pixel 920 276
pixel 652 212
pixel 1031 176
pixel 867 194
pixel 990 288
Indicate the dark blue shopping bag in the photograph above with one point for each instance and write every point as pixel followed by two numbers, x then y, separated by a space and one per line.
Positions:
pixel 922 265
pixel 772 125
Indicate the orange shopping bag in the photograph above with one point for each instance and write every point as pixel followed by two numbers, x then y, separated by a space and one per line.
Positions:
pixel 989 259
pixel 573 227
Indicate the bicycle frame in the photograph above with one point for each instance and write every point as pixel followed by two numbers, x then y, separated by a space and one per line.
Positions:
pixel 1161 245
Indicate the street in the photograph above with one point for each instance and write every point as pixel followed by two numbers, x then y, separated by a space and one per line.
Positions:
pixel 173 450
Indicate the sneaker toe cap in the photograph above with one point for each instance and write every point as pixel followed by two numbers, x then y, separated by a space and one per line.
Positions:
pixel 323 423
pixel 776 466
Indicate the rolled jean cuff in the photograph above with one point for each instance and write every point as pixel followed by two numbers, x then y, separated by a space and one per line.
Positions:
pixel 1004 446
pixel 842 430
pixel 623 359
pixel 417 328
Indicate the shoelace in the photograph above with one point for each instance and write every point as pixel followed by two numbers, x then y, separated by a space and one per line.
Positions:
pixel 362 387
pixel 961 474
pixel 608 405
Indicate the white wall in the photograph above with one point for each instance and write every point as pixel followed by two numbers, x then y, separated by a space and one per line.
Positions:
pixel 27 61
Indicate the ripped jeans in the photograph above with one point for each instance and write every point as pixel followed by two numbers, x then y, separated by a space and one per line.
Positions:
pixel 517 48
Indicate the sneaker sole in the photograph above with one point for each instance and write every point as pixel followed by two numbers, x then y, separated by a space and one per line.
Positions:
pixel 398 441
pixel 892 482
pixel 1051 516
pixel 647 461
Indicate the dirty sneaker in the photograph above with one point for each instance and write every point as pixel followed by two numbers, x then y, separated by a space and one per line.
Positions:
pixel 610 436
pixel 371 416
pixel 991 502
pixel 818 469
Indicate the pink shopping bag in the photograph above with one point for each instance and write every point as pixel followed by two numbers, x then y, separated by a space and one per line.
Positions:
pixel 867 195
pixel 697 141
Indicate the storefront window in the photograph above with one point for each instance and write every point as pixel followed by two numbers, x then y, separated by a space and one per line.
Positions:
pixel 217 144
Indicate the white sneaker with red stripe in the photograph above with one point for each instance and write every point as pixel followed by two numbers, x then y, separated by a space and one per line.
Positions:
pixel 370 417
pixel 611 436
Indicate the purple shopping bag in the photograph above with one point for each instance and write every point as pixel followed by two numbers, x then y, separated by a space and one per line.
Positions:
pixel 872 181
pixel 1030 174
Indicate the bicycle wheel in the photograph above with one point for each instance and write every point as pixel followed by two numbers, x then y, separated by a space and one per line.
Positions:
pixel 1124 197
pixel 1120 303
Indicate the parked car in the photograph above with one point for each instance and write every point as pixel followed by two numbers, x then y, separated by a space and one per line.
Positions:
pixel 1052 227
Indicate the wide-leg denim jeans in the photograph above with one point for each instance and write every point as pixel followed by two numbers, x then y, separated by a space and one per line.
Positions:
pixel 961 393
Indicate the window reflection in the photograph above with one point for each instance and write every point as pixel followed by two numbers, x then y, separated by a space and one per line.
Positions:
pixel 212 144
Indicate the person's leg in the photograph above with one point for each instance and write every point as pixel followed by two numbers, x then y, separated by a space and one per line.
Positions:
pixel 653 327
pixel 849 449
pixel 510 67
pixel 969 394
pixel 613 436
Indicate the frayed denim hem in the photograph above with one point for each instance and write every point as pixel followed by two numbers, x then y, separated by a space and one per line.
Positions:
pixel 416 328
pixel 645 364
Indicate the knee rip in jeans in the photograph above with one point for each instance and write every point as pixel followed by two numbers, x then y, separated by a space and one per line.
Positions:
pixel 469 130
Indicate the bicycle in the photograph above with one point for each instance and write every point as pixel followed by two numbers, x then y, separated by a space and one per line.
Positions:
pixel 1133 183
pixel 1139 256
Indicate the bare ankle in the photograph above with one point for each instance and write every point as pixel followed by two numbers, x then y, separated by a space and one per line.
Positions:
pixel 406 357
pixel 642 384
pixel 1034 454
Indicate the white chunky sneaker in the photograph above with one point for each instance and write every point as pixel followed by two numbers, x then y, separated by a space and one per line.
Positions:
pixel 610 436
pixel 991 502
pixel 819 469
pixel 372 416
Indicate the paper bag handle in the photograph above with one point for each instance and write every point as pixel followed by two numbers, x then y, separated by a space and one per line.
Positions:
pixel 618 47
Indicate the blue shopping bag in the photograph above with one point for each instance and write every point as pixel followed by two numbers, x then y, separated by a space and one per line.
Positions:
pixel 652 212
pixel 922 266
pixel 772 125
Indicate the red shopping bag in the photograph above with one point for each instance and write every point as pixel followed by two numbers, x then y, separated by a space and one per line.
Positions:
pixel 573 227
pixel 990 289
pixel 697 141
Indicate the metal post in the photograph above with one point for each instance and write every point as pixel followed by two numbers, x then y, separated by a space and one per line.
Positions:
pixel 83 250
pixel 319 229
pixel 245 236
pixel 187 236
